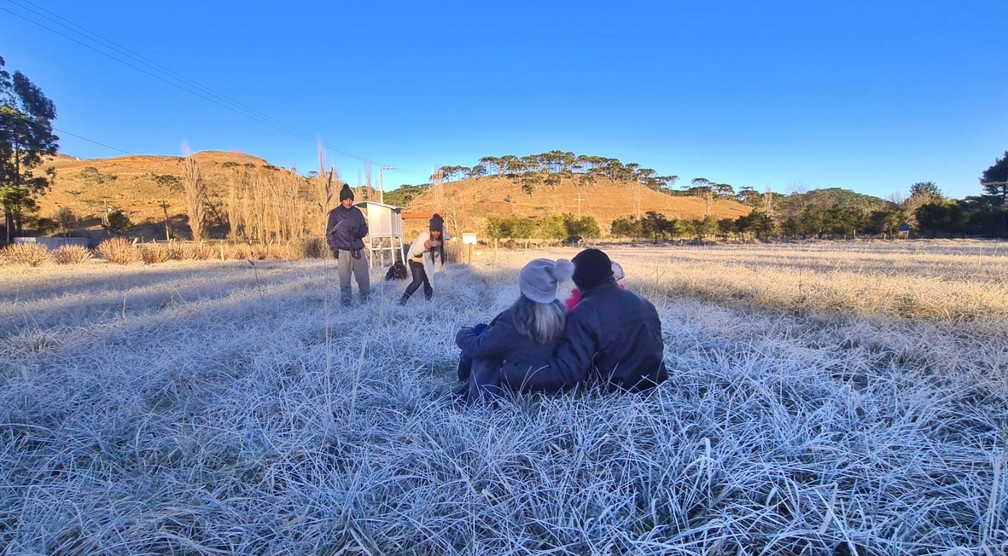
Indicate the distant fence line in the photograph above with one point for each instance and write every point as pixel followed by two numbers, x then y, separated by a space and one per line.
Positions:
pixel 52 243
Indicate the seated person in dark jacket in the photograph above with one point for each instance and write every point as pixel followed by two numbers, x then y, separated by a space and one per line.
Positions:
pixel 527 332
pixel 612 336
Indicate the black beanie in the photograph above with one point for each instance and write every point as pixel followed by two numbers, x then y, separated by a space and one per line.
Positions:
pixel 591 268
pixel 345 193
pixel 436 223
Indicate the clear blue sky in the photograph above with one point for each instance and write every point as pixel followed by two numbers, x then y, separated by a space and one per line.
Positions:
pixel 866 95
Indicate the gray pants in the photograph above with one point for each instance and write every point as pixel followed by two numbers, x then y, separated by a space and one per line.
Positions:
pixel 347 265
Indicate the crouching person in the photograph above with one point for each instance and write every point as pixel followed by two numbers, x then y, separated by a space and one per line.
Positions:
pixel 612 337
pixel 525 333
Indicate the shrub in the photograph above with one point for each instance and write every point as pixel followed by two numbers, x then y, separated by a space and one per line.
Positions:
pixel 196 251
pixel 152 253
pixel 237 251
pixel 118 250
pixel 71 254
pixel 174 251
pixel 118 223
pixel 312 248
pixel 31 254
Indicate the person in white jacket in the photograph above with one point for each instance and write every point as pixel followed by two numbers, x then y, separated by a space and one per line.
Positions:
pixel 427 248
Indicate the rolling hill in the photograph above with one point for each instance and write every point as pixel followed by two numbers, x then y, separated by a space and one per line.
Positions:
pixel 148 188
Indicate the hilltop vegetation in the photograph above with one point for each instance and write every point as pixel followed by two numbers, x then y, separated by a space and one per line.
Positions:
pixel 533 197
pixel 248 198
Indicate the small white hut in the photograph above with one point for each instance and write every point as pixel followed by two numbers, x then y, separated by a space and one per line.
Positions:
pixel 385 231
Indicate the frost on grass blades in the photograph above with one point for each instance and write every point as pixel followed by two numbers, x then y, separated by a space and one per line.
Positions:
pixel 821 401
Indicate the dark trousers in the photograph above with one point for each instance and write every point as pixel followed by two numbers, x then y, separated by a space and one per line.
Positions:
pixel 419 277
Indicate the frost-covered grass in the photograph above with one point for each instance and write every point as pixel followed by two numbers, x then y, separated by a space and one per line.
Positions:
pixel 209 407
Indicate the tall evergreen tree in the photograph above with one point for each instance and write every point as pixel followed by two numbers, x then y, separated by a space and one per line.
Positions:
pixel 26 136
pixel 995 179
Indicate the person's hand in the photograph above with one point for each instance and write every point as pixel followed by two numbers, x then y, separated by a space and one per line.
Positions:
pixel 427 244
pixel 479 328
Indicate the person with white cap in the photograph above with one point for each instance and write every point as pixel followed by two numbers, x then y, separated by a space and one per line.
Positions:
pixel 527 331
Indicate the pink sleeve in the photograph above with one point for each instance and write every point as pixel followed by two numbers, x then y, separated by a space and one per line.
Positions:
pixel 573 300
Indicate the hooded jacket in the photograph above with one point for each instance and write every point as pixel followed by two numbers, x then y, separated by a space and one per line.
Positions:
pixel 346 229
pixel 612 336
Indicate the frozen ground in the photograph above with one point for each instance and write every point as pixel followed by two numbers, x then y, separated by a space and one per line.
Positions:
pixel 822 400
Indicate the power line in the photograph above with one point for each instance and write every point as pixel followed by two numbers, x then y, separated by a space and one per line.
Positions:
pixel 92 141
pixel 168 76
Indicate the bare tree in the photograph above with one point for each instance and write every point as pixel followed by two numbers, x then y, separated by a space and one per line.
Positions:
pixel 195 196
pixel 324 189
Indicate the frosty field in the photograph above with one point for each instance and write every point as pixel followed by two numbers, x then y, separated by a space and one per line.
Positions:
pixel 828 398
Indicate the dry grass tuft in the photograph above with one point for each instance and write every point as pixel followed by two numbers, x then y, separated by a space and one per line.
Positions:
pixel 152 253
pixel 196 251
pixel 237 251
pixel 308 248
pixel 118 250
pixel 72 254
pixel 31 254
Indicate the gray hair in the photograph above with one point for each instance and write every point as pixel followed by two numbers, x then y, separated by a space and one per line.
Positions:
pixel 542 322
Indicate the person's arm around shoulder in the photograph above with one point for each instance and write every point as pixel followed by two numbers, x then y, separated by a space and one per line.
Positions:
pixel 568 368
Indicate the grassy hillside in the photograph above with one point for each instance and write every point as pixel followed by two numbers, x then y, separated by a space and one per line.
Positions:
pixel 140 186
pixel 468 202
pixel 137 185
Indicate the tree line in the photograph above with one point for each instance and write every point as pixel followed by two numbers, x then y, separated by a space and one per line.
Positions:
pixel 550 167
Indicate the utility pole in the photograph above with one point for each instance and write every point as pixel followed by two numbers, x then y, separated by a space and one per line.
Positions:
pixel 167 230
pixel 381 182
pixel 579 205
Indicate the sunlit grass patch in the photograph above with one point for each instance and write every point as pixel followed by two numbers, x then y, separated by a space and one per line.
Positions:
pixel 31 254
pixel 118 250
pixel 71 254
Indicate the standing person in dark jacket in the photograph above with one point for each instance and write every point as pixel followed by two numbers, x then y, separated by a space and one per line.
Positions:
pixel 427 248
pixel 526 332
pixel 612 336
pixel 345 236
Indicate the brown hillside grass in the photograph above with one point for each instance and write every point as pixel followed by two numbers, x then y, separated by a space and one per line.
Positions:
pixel 466 203
pixel 130 184
pixel 137 186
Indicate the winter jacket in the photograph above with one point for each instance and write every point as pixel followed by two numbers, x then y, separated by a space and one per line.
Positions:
pixel 418 253
pixel 346 229
pixel 612 335
pixel 502 340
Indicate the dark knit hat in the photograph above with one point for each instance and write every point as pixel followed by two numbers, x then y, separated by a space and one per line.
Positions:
pixel 345 193
pixel 591 268
pixel 436 223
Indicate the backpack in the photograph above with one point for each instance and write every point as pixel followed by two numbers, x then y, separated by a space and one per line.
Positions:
pixel 396 272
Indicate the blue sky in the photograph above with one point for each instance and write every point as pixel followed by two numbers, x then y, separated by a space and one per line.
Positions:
pixel 868 96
